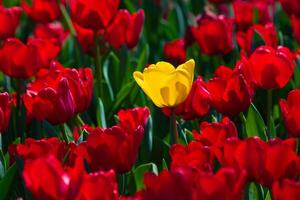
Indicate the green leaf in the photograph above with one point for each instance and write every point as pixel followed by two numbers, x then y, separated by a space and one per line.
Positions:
pixel 140 171
pixel 101 120
pixel 110 67
pixel 255 125
pixel 121 96
pixel 255 191
pixel 189 135
pixel 7 182
pixel 268 196
pixel 69 133
pixel 143 59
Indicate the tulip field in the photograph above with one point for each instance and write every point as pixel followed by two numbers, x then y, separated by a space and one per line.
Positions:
pixel 149 99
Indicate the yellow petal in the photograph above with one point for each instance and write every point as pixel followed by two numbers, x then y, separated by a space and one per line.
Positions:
pixel 154 96
pixel 165 67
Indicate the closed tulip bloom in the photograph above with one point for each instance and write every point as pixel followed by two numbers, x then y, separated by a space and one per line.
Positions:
pixel 52 31
pixel 43 11
pixel 281 161
pixel 214 34
pixel 286 189
pixel 117 146
pixel 245 155
pixel 48 50
pixel 125 29
pixel 184 183
pixel 80 82
pixel 85 38
pixel 194 155
pixel 271 68
pixel 19 60
pixel 165 85
pixel 230 92
pixel 175 51
pixel 244 12
pixel 5 111
pixel 33 149
pixel 43 99
pixel 9 21
pixel 290 110
pixel 216 133
pixel 46 178
pixel 67 89
pixel 90 13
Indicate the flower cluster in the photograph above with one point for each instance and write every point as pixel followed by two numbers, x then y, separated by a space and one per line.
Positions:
pixel 149 100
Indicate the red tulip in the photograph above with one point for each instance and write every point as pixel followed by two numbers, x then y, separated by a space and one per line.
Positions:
pixel 44 98
pixel 43 11
pixel 33 149
pixel 19 60
pixel 130 119
pixel 85 38
pixel 245 155
pixel 286 189
pixel 80 82
pixel 125 29
pixel 118 146
pixel 194 155
pixel 47 51
pixel 267 33
pixel 9 21
pixel 197 103
pixel 271 68
pixel 216 133
pixel 290 110
pixel 175 51
pixel 244 13
pixel 281 161
pixel 214 34
pixel 92 14
pixel 46 179
pixel 230 92
pixel 58 88
pixel 183 183
pixel 52 31
pixel 226 184
pixel 264 162
pixel 175 185
pixel 291 7
pixel 5 110
pixel 296 28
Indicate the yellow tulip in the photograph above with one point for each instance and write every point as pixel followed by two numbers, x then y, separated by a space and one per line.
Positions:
pixel 165 85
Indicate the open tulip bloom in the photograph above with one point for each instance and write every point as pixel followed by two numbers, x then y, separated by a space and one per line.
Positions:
pixel 165 85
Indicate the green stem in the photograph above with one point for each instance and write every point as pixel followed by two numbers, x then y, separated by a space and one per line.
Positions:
pixel 244 121
pixel 64 133
pixel 67 18
pixel 98 70
pixel 269 110
pixel 19 111
pixel 80 122
pixel 173 129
